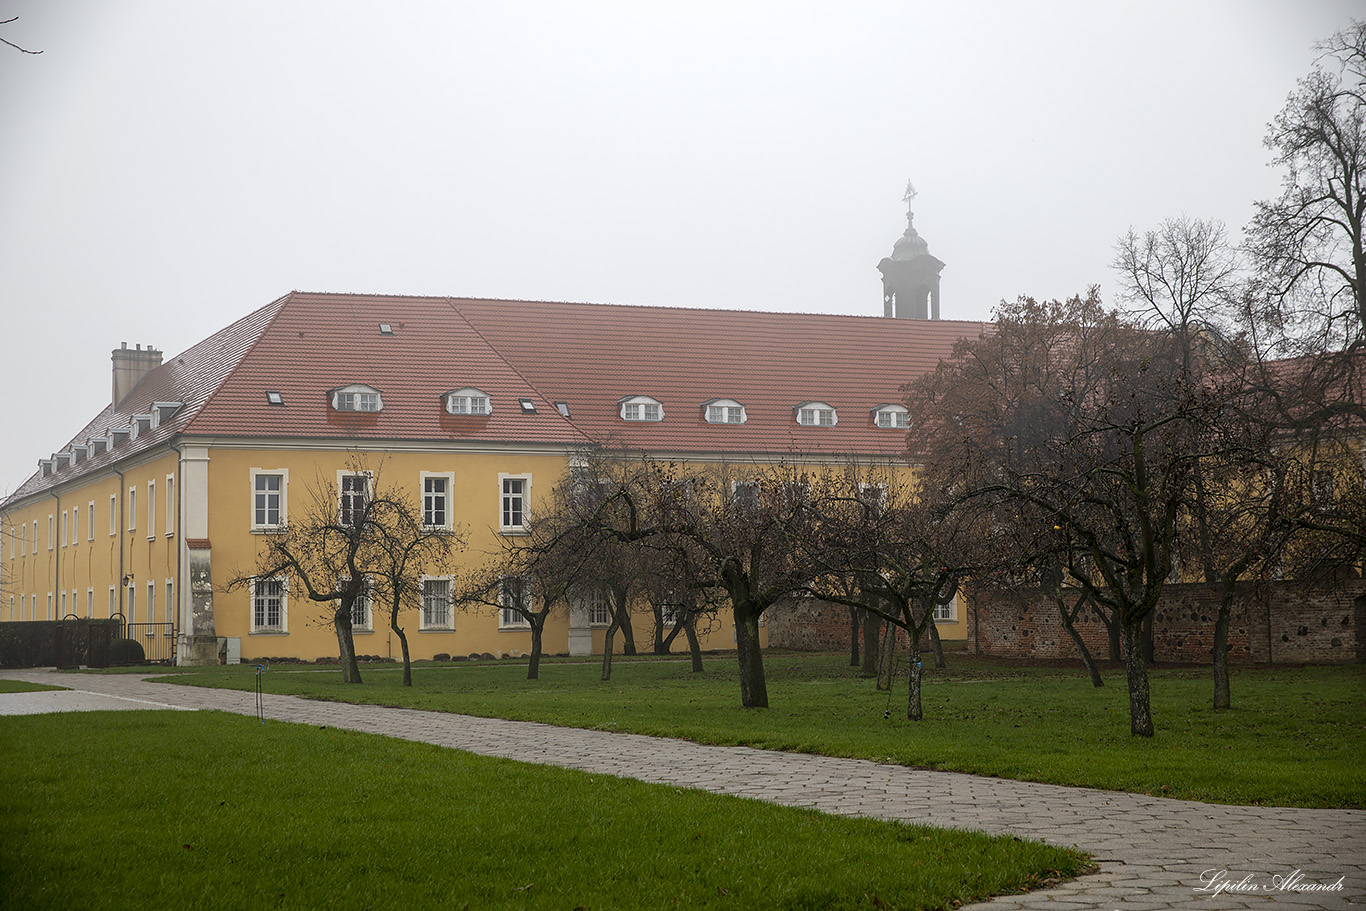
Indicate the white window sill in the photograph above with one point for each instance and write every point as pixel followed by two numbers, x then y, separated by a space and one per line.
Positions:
pixel 269 632
pixel 437 629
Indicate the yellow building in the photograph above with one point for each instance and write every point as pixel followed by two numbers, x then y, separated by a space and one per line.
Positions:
pixel 478 406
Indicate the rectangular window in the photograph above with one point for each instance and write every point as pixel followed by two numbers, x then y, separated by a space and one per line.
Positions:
pixel 946 612
pixel 130 612
pixel 355 489
pixel 66 523
pixel 745 496
pixel 113 515
pixel 90 521
pixel 89 604
pixel 436 499
pixel 151 510
pixel 51 531
pixel 49 606
pixel 75 526
pixel 151 602
pixel 874 496
pixel 357 401
pixel 268 605
pixel 514 503
pixel 268 498
pixel 361 621
pixel 63 597
pixel 599 608
pixel 436 604
pixel 515 598
pixel 170 505
pixel 132 509
pixel 113 602
pixel 170 604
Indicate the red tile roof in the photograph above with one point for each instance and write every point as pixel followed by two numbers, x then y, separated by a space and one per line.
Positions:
pixel 588 355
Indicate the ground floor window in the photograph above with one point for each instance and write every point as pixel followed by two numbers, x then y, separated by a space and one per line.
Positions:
pixel 268 605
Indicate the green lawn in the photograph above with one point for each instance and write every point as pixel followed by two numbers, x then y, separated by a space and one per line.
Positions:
pixel 205 810
pixel 1295 736
pixel 19 686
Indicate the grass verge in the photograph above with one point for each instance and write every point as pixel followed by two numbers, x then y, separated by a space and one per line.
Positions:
pixel 174 810
pixel 20 686
pixel 1294 737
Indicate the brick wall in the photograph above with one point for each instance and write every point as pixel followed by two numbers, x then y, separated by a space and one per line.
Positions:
pixel 1283 622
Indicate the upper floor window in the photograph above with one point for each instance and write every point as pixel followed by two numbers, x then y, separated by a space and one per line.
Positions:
pixel 892 416
pixel 816 414
pixel 356 397
pixel 641 408
pixel 513 501
pixel 436 499
pixel 354 490
pixel 269 491
pixel 468 401
pixel 725 411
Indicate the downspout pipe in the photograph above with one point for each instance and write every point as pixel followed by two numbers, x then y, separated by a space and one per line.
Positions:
pixel 56 554
pixel 178 539
pixel 118 529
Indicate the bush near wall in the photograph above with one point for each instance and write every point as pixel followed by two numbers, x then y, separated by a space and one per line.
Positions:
pixel 33 643
pixel 1278 622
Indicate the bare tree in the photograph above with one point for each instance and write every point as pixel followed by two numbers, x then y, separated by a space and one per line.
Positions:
pixel 1309 244
pixel 22 50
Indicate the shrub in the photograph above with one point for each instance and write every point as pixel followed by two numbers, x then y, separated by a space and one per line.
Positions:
pixel 126 651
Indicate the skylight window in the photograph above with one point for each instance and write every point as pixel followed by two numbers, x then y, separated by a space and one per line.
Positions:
pixel 469 400
pixel 562 408
pixel 641 408
pixel 725 411
pixel 386 329
pixel 816 414
pixel 274 398
pixel 528 406
pixel 357 397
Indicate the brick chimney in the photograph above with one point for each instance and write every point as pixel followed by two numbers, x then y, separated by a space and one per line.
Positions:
pixel 130 367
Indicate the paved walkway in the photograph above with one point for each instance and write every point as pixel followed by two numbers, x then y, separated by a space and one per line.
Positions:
pixel 1153 853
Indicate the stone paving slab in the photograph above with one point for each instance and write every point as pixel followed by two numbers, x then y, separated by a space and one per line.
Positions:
pixel 1152 852
pixel 46 701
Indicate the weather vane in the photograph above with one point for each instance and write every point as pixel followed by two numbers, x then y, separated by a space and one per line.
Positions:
pixel 910 192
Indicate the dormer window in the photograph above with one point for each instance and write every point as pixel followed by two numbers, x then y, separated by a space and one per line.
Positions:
pixel 142 423
pixel 98 445
pixel 724 411
pixel 892 417
pixel 356 397
pixel 80 452
pixel 164 410
pixel 468 401
pixel 816 414
pixel 641 408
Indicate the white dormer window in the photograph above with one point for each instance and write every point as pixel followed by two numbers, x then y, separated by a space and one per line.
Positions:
pixel 142 423
pixel 725 411
pixel 816 414
pixel 356 397
pixel 892 417
pixel 164 410
pixel 641 408
pixel 468 401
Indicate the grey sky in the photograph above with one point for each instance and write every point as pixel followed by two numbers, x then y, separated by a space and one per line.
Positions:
pixel 167 167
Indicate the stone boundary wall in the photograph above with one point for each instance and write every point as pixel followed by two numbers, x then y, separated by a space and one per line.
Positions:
pixel 1281 622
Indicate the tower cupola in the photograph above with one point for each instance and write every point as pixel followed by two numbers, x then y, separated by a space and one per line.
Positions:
pixel 910 276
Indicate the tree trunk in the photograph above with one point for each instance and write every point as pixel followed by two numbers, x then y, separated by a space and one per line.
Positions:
pixel 884 665
pixel 1222 697
pixel 694 644
pixel 407 659
pixel 914 711
pixel 935 646
pixel 872 625
pixel 628 637
pixel 1148 653
pixel 533 668
pixel 853 637
pixel 1086 659
pixel 1136 671
pixel 346 645
pixel 607 641
pixel 1111 632
pixel 753 687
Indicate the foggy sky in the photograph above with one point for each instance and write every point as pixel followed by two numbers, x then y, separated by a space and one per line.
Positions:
pixel 167 167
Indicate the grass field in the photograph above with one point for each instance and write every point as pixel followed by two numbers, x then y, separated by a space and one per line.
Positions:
pixel 19 686
pixel 114 810
pixel 1295 736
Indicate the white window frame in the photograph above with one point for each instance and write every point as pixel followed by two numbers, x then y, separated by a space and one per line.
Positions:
pixel 598 607
pixel 344 506
pixel 449 477
pixel 507 497
pixel 469 402
pixel 357 398
pixel 172 608
pixel 75 525
pixel 61 595
pixel 151 601
pixel 641 408
pixel 90 603
pixel 170 505
pixel 258 629
pixel 130 605
pixel 816 414
pixel 113 602
pixel 874 494
pixel 509 618
pixel 51 530
pixel 283 514
pixel 425 622
pixel 365 603
pixel 745 494
pixel 151 510
pixel 113 514
pixel 947 613
pixel 66 526
pixel 724 411
pixel 132 509
pixel 90 521
pixel 892 417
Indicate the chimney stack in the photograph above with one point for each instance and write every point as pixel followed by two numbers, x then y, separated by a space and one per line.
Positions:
pixel 130 367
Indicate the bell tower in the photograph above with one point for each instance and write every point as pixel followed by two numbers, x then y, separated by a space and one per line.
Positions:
pixel 910 276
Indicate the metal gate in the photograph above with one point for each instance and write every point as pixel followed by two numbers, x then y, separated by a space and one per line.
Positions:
pixel 157 640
